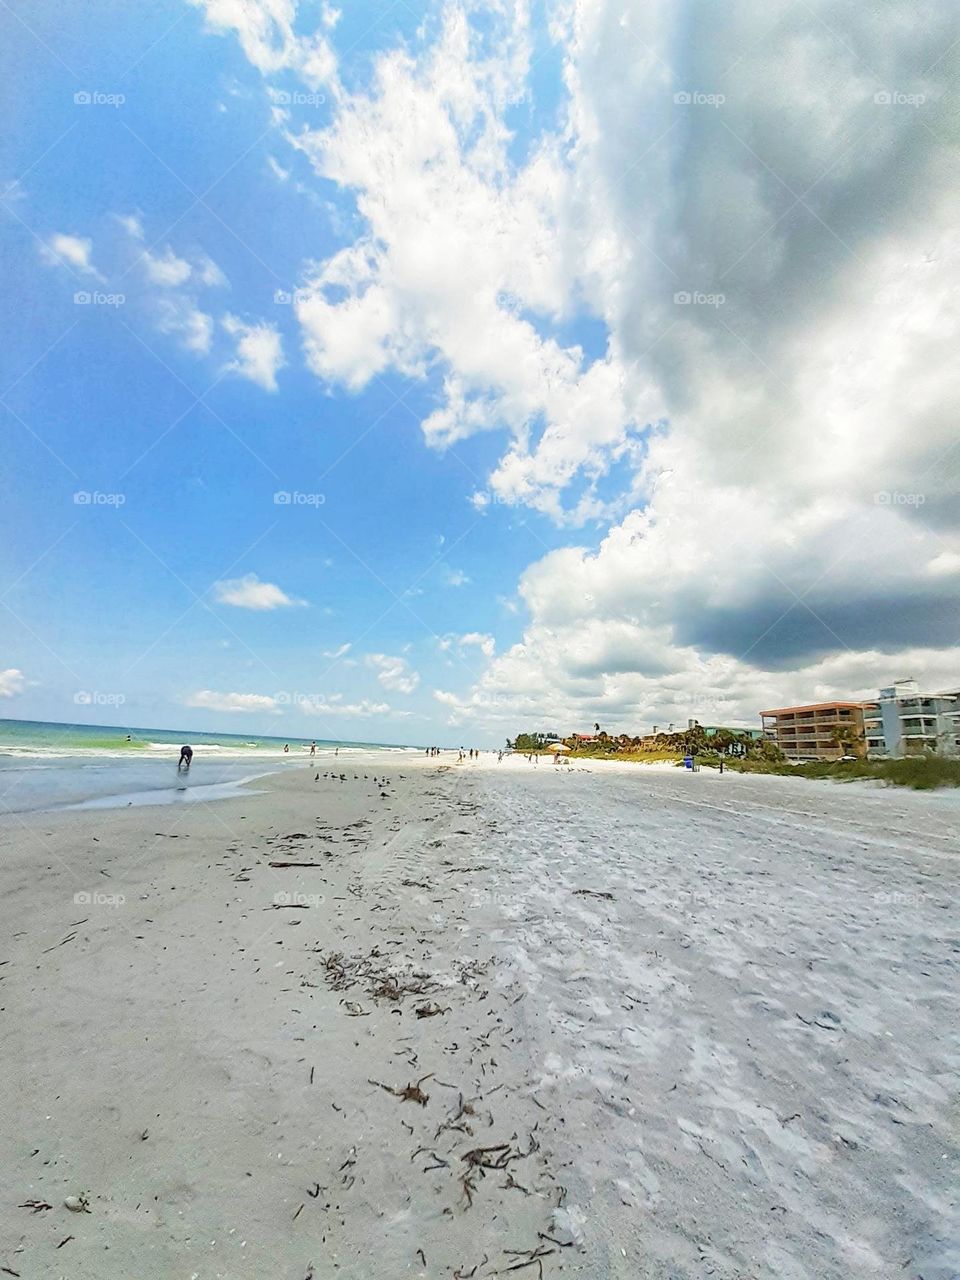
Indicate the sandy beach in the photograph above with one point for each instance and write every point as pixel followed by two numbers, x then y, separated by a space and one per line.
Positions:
pixel 483 1020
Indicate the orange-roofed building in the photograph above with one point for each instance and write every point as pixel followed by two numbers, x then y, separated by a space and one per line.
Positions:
pixel 820 731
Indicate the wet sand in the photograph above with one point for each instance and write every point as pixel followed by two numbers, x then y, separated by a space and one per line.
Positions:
pixel 604 1022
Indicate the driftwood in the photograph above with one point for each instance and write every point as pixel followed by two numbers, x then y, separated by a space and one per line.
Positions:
pixel 318 865
pixel 409 1092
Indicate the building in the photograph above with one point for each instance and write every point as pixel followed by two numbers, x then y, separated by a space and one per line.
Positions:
pixel 821 731
pixel 711 730
pixel 905 722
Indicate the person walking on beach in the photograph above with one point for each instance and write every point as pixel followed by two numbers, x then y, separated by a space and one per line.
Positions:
pixel 186 755
pixel 313 750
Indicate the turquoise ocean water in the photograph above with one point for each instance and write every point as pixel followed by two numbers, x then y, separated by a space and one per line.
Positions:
pixel 46 766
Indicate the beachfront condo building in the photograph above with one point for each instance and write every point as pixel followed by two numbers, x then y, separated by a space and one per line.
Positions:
pixel 821 731
pixel 905 722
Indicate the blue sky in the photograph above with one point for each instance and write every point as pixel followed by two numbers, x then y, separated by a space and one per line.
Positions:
pixel 395 559
pixel 427 271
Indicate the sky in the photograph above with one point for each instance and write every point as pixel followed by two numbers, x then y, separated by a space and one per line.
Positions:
pixel 430 373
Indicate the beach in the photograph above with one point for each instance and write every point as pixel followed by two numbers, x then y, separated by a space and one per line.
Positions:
pixel 444 1020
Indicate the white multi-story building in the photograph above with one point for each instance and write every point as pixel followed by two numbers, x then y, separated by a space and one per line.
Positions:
pixel 905 722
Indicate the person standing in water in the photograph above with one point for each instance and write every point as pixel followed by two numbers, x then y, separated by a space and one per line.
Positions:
pixel 313 750
pixel 186 755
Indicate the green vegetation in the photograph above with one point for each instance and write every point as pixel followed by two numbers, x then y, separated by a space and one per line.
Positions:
pixel 660 746
pixel 742 754
pixel 922 773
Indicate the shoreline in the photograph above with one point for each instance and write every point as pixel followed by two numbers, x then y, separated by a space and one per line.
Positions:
pixel 610 1022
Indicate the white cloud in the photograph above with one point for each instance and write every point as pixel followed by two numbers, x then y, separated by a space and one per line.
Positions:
pixel 456 578
pixel 131 223
pixel 249 592
pixel 70 251
pixel 243 702
pixel 259 352
pixel 265 31
pixel 209 274
pixel 769 432
pixel 167 270
pixel 180 316
pixel 486 644
pixel 947 563
pixel 333 705
pixel 12 682
pixel 178 279
pixel 277 169
pixel 170 271
pixel 335 654
pixel 394 673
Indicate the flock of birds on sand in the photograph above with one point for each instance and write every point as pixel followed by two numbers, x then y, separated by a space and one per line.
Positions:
pixel 342 777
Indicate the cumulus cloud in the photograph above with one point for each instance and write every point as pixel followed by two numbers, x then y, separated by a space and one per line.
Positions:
pixel 486 644
pixel 249 592
pixel 394 672
pixel 70 251
pixel 753 203
pixel 12 682
pixel 243 702
pixel 259 352
pixel 166 269
pixel 265 31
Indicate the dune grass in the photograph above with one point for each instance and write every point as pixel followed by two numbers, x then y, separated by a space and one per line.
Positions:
pixel 922 773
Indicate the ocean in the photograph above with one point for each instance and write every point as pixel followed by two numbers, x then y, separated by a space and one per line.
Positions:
pixel 52 766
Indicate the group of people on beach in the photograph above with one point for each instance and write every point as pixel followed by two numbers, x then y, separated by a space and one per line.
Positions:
pixel 472 753
pixel 186 754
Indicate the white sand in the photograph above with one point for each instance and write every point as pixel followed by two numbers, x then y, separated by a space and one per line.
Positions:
pixel 739 1065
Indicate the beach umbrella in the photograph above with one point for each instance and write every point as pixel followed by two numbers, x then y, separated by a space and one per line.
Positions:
pixel 557 746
